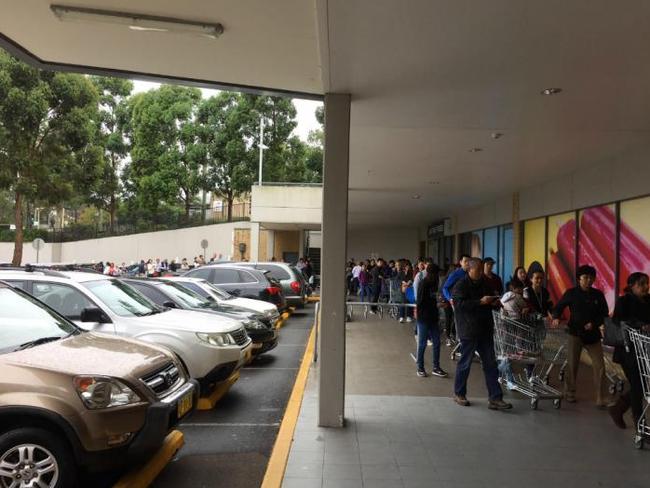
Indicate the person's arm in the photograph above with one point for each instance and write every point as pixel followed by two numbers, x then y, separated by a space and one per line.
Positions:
pixel 448 286
pixel 419 299
pixel 564 302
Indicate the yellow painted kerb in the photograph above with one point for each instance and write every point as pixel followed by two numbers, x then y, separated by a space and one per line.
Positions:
pixel 278 462
pixel 144 476
pixel 208 403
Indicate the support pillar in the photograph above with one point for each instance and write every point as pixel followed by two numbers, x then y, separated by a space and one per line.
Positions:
pixel 516 231
pixel 254 251
pixel 331 387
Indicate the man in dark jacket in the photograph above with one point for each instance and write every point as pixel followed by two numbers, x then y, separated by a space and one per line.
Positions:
pixel 473 305
pixel 427 321
pixel 588 309
pixel 377 275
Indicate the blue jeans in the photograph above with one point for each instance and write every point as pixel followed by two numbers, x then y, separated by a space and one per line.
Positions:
pixel 364 292
pixel 428 330
pixel 485 348
pixel 505 370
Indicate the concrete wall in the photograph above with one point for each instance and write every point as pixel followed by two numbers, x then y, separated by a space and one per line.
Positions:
pixel 287 204
pixel 387 242
pixel 168 244
pixel 620 178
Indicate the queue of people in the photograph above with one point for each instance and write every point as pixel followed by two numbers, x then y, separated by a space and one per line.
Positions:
pixel 463 297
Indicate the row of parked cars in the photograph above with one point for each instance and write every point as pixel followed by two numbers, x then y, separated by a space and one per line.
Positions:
pixel 97 370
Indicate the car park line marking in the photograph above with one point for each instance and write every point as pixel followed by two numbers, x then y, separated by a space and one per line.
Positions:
pixel 266 369
pixel 280 454
pixel 144 476
pixel 208 403
pixel 233 424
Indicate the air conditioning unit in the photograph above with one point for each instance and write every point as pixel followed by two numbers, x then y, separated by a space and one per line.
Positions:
pixel 449 227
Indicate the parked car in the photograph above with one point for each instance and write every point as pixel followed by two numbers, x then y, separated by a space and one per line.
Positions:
pixel 242 282
pixel 210 349
pixel 222 297
pixel 294 286
pixel 174 295
pixel 71 399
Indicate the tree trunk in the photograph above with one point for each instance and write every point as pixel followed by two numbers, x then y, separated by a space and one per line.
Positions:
pixel 111 211
pixel 230 199
pixel 188 202
pixel 18 243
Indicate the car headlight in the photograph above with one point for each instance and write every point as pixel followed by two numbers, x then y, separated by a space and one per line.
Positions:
pixel 254 325
pixel 97 392
pixel 216 339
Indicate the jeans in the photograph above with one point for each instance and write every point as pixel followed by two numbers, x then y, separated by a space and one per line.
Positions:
pixel 597 364
pixel 633 397
pixel 505 370
pixel 364 292
pixel 428 330
pixel 485 348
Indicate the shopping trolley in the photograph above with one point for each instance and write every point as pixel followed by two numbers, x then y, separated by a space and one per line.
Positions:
pixel 396 297
pixel 641 344
pixel 528 341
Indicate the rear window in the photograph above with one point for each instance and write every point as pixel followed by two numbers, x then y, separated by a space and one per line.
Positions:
pixel 275 271
pixel 200 273
pixel 247 277
pixel 225 275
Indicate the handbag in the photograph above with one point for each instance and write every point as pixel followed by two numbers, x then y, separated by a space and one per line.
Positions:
pixel 614 333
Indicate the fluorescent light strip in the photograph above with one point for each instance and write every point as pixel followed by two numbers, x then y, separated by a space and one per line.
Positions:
pixel 137 22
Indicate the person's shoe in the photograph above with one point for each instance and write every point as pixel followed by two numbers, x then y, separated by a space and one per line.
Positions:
pixel 461 400
pixel 421 373
pixel 448 343
pixel 372 312
pixel 499 405
pixel 439 372
pixel 616 413
pixel 409 319
pixel 401 320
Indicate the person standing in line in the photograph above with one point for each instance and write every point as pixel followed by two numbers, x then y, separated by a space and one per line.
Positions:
pixel 420 273
pixel 588 309
pixel 493 279
pixel 538 296
pixel 456 276
pixel 142 268
pixel 427 321
pixel 473 307
pixel 354 287
pixel 520 274
pixel 376 278
pixel 364 284
pixel 405 280
pixel 450 328
pixel 633 308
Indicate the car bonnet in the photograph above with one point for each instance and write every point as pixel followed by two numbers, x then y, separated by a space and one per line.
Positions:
pixel 189 321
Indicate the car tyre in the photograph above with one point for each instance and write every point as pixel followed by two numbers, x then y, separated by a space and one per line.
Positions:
pixel 61 473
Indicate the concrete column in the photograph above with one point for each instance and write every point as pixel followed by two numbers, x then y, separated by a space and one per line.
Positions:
pixel 301 243
pixel 517 258
pixel 254 252
pixel 270 243
pixel 331 388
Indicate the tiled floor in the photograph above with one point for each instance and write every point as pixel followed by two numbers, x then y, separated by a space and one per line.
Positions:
pixel 409 441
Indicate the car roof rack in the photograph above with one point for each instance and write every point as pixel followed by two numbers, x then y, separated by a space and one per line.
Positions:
pixel 28 268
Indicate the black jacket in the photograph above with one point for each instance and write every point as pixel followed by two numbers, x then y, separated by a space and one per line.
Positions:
pixel 376 274
pixel 473 320
pixel 585 307
pixel 541 302
pixel 635 312
pixel 427 300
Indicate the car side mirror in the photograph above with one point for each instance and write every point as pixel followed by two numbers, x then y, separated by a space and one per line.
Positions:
pixel 93 314
pixel 169 304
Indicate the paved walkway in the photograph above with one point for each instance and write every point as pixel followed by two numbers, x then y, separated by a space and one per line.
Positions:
pixel 408 432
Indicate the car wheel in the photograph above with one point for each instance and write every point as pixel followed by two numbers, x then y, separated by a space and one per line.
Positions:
pixel 35 457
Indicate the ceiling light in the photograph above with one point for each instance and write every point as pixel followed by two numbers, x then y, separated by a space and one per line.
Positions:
pixel 137 22
pixel 416 197
pixel 476 149
pixel 497 135
pixel 551 91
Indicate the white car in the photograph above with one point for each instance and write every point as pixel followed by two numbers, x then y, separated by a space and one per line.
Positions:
pixel 211 347
pixel 213 292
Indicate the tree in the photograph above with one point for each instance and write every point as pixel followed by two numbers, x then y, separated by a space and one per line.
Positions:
pixel 45 123
pixel 111 137
pixel 224 121
pixel 166 153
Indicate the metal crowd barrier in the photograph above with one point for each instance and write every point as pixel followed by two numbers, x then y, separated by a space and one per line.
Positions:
pixel 363 309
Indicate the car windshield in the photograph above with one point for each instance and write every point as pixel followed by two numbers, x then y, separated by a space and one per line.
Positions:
pixel 122 299
pixel 186 296
pixel 219 292
pixel 24 320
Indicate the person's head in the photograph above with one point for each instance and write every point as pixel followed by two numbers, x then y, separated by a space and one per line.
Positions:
pixel 488 264
pixel 372 262
pixel 392 263
pixel 474 268
pixel 364 266
pixel 520 274
pixel 536 279
pixel 516 286
pixel 586 276
pixel 422 265
pixel 464 261
pixel 637 284
pixel 432 271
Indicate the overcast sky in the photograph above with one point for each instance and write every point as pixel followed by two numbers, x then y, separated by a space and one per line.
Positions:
pixel 305 108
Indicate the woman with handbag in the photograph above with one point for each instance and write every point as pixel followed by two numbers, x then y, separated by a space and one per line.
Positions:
pixel 633 308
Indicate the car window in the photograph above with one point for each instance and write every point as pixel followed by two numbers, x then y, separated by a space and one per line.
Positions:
pixel 150 292
pixel 220 293
pixel 226 275
pixel 247 277
pixel 275 271
pixel 65 299
pixel 17 284
pixel 122 299
pixel 200 273
pixel 187 297
pixel 196 289
pixel 23 319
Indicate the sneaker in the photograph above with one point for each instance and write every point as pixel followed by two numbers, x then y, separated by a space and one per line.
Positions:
pixel 461 400
pixel 401 320
pixel 421 373
pixel 499 405
pixel 409 319
pixel 448 343
pixel 439 372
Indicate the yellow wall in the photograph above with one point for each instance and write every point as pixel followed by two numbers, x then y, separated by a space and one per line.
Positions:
pixel 534 241
pixel 286 241
pixel 241 235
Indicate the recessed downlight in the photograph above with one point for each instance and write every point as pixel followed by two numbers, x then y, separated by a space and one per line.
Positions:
pixel 416 197
pixel 551 91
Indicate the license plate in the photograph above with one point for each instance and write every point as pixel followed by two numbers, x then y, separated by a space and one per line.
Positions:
pixel 185 404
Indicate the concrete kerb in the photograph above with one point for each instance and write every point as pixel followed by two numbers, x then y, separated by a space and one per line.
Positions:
pixel 209 402
pixel 144 476
pixel 279 456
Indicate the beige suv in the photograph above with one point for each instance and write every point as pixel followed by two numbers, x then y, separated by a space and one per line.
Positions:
pixel 71 399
